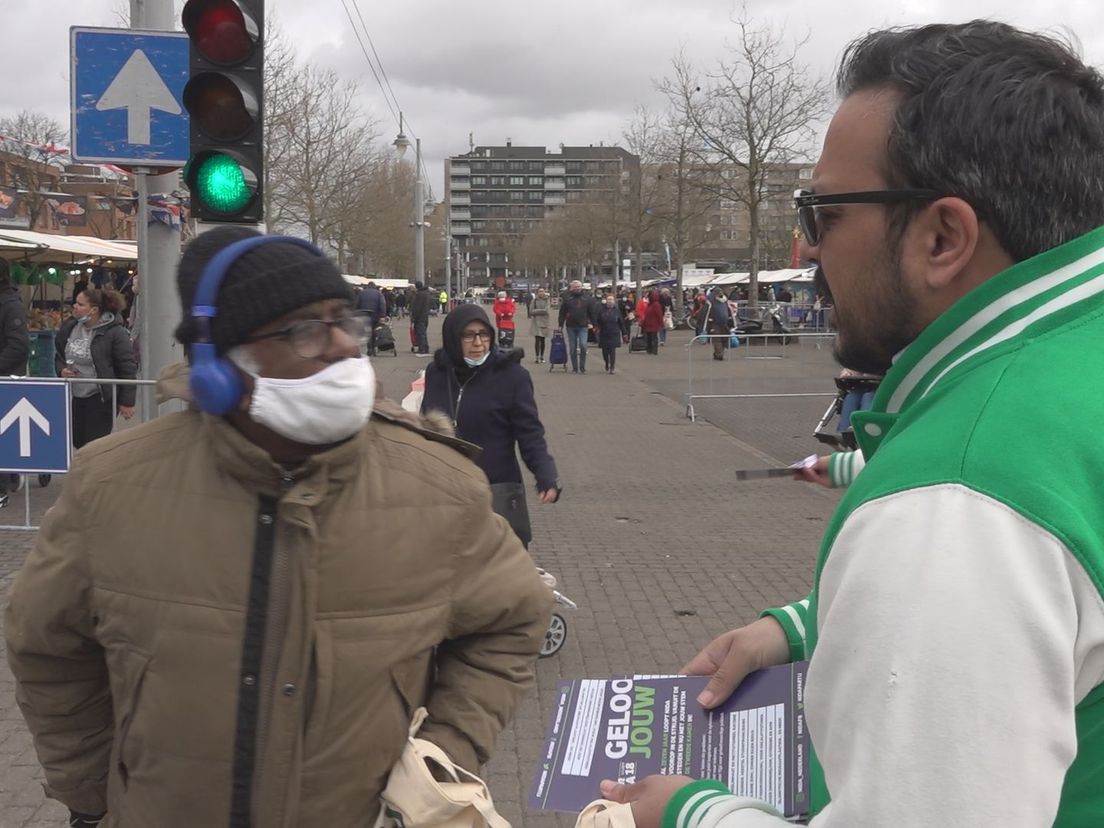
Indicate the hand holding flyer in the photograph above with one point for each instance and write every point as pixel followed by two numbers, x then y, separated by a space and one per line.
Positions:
pixel 629 728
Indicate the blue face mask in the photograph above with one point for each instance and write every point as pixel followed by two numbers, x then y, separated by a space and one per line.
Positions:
pixel 475 363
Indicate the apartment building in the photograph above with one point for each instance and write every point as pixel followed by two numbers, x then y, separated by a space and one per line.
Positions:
pixel 496 195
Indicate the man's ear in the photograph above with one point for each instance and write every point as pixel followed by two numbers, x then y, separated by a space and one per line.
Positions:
pixel 945 236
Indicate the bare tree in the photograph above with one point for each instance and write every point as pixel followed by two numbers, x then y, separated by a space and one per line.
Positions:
pixel 381 237
pixel 757 110
pixel 321 154
pixel 685 198
pixel 39 140
pixel 648 139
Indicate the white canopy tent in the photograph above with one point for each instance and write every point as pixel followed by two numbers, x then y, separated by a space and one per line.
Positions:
pixel 34 246
pixel 767 277
pixel 361 281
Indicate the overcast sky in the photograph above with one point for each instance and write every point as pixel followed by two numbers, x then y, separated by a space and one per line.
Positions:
pixel 565 71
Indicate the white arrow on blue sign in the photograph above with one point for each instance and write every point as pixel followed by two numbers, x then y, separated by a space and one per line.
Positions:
pixel 35 431
pixel 126 96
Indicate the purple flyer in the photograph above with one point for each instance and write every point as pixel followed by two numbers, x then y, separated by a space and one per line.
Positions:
pixel 628 728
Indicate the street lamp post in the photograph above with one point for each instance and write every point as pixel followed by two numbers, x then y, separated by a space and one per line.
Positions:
pixel 402 144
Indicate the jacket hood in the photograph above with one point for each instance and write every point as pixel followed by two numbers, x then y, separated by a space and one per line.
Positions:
pixel 499 358
pixel 454 325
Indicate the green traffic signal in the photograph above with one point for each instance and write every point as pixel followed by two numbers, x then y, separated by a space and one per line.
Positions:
pixel 221 183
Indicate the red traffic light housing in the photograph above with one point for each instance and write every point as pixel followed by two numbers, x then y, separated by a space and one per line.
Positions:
pixel 223 32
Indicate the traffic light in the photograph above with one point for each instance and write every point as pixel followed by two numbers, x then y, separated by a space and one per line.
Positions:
pixel 224 97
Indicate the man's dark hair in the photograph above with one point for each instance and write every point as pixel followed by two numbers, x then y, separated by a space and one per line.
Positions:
pixel 5 273
pixel 1010 121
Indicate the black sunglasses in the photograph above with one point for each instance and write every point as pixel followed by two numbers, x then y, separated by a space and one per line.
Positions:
pixel 807 203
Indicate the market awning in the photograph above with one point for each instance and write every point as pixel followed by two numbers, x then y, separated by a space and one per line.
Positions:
pixel 50 247
pixel 394 284
pixel 766 277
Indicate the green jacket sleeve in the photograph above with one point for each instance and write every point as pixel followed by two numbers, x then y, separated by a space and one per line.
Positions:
pixel 792 617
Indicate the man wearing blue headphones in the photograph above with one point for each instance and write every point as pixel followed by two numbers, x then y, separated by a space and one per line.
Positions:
pixel 232 613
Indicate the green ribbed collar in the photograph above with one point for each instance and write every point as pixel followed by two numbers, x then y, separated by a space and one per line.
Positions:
pixel 1032 295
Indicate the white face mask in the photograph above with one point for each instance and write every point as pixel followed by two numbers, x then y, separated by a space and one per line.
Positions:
pixel 323 408
pixel 477 361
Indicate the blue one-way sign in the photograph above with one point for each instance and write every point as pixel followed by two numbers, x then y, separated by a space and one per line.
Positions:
pixel 35 434
pixel 126 96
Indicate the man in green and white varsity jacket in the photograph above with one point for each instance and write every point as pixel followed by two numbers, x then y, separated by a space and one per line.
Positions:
pixel 956 625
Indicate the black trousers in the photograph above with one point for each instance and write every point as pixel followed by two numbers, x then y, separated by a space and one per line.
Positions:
pixel 609 356
pixel 652 338
pixel 539 346
pixel 92 418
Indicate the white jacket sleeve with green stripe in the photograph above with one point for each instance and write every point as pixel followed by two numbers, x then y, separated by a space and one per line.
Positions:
pixel 938 605
pixel 843 467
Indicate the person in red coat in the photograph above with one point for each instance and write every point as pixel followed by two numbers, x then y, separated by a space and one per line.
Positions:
pixel 652 321
pixel 504 310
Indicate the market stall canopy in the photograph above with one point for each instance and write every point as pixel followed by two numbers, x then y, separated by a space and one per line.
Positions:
pixel 361 281
pixel 50 247
pixel 767 277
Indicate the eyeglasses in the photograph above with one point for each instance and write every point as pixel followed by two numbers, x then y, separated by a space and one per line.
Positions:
pixel 470 336
pixel 310 338
pixel 807 203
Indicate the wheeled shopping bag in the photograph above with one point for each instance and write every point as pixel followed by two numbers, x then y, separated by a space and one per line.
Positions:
pixel 557 351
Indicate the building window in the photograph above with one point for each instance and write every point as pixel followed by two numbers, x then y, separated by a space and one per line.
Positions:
pixel 805 173
pixel 574 181
pixel 573 166
pixel 497 166
pixel 535 181
pixel 517 195
pixel 517 180
pixel 498 181
pixel 479 225
pixel 536 196
pixel 479 180
pixel 479 166
pixel 728 204
pixel 536 166
pixel 516 166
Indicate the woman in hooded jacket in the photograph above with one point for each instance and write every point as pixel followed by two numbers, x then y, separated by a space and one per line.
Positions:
pixel 488 396
pixel 94 344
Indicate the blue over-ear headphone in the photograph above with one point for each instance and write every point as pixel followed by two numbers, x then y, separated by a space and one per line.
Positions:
pixel 215 383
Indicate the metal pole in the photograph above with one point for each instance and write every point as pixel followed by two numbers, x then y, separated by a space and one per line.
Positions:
pixel 145 287
pixel 419 215
pixel 158 245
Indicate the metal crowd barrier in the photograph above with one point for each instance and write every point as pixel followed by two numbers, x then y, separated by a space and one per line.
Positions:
pixel 145 408
pixel 747 351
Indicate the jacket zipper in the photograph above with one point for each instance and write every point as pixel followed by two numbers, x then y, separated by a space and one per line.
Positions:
pixel 279 596
pixel 459 399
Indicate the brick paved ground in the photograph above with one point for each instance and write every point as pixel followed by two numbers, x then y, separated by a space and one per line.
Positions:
pixel 651 527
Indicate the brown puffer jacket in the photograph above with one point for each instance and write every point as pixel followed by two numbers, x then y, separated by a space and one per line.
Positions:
pixel 201 638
